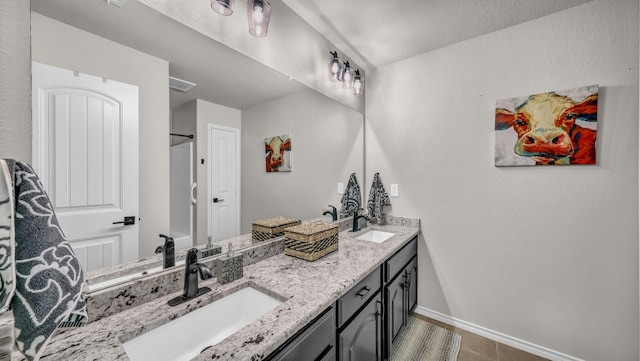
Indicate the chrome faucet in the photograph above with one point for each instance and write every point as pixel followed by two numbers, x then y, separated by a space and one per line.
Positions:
pixel 356 217
pixel 168 251
pixel 192 270
pixel 333 213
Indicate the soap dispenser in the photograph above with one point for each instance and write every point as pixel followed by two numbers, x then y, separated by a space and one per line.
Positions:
pixel 229 267
pixel 210 249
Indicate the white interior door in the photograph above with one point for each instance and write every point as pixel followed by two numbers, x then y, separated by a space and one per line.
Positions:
pixel 85 150
pixel 224 182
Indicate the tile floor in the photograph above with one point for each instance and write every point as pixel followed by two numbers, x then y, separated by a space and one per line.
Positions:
pixel 478 348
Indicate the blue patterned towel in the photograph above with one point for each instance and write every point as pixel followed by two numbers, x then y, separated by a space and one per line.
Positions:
pixel 378 198
pixel 48 275
pixel 351 198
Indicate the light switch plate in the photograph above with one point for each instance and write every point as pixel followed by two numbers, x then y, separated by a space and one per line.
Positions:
pixel 394 190
pixel 340 188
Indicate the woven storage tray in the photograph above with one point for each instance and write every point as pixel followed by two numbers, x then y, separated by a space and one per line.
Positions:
pixel 311 241
pixel 266 229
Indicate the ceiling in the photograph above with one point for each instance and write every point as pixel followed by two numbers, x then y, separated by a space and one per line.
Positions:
pixel 370 32
pixel 378 32
pixel 223 76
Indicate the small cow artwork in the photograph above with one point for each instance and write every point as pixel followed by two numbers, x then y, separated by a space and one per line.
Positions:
pixel 278 153
pixel 554 128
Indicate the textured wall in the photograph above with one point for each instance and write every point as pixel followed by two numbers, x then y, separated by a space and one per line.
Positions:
pixel 15 80
pixel 61 45
pixel 548 255
pixel 327 146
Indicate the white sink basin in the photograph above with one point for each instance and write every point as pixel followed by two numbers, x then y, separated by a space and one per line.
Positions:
pixel 185 337
pixel 375 236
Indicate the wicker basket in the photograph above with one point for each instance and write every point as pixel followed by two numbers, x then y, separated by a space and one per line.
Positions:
pixel 267 229
pixel 311 241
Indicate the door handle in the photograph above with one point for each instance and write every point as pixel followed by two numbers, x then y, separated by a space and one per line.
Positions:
pixel 193 188
pixel 363 292
pixel 127 221
pixel 216 200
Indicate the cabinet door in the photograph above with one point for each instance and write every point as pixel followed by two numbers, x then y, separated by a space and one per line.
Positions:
pixel 411 273
pixel 362 339
pixel 396 314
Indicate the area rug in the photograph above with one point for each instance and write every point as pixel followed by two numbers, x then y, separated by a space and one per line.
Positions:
pixel 423 341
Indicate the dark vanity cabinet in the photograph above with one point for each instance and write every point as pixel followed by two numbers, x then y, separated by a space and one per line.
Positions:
pixel 366 321
pixel 360 321
pixel 400 292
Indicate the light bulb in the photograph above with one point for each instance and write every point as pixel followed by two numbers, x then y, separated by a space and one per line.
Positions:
pixel 222 7
pixel 258 16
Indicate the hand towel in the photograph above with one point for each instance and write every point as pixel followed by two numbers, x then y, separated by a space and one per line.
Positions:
pixel 49 278
pixel 351 198
pixel 7 239
pixel 378 198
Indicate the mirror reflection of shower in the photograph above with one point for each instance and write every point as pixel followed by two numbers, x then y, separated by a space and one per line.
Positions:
pixel 182 188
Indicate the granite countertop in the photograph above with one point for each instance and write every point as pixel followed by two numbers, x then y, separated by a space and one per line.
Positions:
pixel 307 288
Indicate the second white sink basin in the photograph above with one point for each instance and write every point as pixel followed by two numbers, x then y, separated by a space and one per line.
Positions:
pixel 185 337
pixel 375 236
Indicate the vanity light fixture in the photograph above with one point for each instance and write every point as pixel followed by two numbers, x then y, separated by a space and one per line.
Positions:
pixel 358 83
pixel 258 15
pixel 347 76
pixel 222 7
pixel 335 67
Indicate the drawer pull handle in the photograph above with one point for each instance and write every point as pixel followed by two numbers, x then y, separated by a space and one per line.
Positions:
pixel 363 292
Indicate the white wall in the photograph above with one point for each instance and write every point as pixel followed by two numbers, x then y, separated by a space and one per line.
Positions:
pixel 327 146
pixel 58 44
pixel 15 84
pixel 548 255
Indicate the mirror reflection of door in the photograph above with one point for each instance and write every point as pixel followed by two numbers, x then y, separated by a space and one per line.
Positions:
pixel 85 150
pixel 224 182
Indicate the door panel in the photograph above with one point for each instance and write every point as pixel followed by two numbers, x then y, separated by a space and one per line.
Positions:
pixel 396 313
pixel 362 340
pixel 224 177
pixel 85 141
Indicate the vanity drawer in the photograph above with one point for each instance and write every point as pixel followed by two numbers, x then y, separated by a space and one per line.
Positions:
pixel 358 296
pixel 316 342
pixel 397 262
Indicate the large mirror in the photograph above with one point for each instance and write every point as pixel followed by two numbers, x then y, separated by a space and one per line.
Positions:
pixel 223 125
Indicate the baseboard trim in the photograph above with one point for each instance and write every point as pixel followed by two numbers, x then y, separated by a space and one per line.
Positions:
pixel 496 336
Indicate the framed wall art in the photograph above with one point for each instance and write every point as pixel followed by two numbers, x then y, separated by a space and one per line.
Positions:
pixel 554 128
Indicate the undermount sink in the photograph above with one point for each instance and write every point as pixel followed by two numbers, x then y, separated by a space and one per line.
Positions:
pixel 375 236
pixel 185 337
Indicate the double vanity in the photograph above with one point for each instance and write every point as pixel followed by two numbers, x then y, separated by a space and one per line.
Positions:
pixel 284 308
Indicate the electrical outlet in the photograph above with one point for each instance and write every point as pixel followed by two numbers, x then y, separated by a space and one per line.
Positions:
pixel 340 188
pixel 394 191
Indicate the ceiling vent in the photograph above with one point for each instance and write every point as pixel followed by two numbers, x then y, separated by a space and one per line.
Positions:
pixel 180 85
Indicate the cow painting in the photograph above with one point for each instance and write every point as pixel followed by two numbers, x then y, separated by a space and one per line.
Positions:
pixel 555 128
pixel 277 151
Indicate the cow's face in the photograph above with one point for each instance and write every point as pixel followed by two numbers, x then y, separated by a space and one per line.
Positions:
pixel 541 123
pixel 275 151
